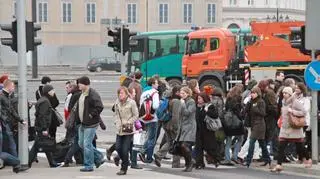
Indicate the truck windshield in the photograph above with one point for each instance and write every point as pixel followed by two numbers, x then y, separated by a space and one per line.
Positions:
pixel 196 45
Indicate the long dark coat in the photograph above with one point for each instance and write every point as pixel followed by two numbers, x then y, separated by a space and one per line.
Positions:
pixel 257 113
pixel 205 139
pixel 270 100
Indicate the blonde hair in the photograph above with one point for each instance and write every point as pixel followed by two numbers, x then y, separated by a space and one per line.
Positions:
pixel 187 90
pixel 123 88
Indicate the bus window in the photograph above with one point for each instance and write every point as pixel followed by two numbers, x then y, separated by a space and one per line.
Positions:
pixel 162 45
pixel 197 45
pixel 181 43
pixel 214 44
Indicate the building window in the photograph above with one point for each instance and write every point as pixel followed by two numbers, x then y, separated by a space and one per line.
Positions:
pixel 266 2
pixel 66 12
pixel 14 9
pixel 211 13
pixel 132 13
pixel 91 12
pixel 187 13
pixel 250 2
pixel 163 13
pixel 233 2
pixel 42 12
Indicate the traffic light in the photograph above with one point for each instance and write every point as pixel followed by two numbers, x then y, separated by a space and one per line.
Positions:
pixel 297 39
pixel 126 39
pixel 31 42
pixel 116 43
pixel 11 42
pixel 31 30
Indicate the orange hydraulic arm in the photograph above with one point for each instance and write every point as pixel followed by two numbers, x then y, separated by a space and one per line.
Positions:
pixel 272 45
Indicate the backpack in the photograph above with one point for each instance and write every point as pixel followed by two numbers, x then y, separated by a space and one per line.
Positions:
pixel 146 111
pixel 162 112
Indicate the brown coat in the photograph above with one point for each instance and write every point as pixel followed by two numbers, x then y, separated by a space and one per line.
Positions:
pixel 257 114
pixel 286 131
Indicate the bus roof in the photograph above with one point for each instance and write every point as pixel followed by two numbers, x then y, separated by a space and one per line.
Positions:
pixel 165 32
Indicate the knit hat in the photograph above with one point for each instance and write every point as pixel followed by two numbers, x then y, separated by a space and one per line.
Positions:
pixel 3 78
pixel 45 80
pixel 46 89
pixel 251 84
pixel 84 80
pixel 256 90
pixel 287 90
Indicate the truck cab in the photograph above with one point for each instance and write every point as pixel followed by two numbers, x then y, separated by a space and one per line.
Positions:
pixel 209 52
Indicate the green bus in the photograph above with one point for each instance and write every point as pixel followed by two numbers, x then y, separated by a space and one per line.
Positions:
pixel 158 52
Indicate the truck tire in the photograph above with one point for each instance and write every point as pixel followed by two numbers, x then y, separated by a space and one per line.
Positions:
pixel 174 81
pixel 210 82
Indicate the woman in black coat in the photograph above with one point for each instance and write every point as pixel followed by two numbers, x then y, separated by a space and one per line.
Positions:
pixel 205 139
pixel 258 127
pixel 42 124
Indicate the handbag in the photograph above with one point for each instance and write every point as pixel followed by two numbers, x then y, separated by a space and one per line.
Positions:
pixel 126 128
pixel 175 148
pixel 212 124
pixel 297 122
pixel 57 117
pixel 46 143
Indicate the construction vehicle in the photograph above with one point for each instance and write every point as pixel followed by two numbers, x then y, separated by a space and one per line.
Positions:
pixel 219 58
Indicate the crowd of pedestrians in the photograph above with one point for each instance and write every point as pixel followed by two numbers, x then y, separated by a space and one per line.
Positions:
pixel 264 121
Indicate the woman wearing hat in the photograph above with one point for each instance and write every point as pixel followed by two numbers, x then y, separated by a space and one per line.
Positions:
pixel 257 112
pixel 42 124
pixel 288 134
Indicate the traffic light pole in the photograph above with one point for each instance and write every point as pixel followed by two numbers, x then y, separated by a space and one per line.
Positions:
pixel 35 51
pixel 314 120
pixel 123 64
pixel 22 82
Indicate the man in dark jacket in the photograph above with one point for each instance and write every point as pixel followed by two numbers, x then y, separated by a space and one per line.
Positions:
pixel 8 115
pixel 88 114
pixel 278 81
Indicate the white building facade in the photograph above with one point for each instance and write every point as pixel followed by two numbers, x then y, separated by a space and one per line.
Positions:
pixel 239 13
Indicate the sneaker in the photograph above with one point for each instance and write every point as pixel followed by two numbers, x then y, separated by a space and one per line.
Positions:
pixel 166 158
pixel 1 164
pixel 86 170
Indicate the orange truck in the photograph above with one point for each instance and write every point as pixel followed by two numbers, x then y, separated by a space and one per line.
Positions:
pixel 222 58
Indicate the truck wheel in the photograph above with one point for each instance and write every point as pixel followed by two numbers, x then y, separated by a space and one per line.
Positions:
pixel 210 82
pixel 174 81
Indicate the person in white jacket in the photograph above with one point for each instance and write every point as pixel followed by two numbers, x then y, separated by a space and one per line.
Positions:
pixel 150 125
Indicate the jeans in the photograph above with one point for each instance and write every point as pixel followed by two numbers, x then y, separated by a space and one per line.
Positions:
pixel 123 145
pixel 244 149
pixel 90 155
pixel 74 147
pixel 263 146
pixel 9 159
pixel 7 134
pixel 148 147
pixel 237 147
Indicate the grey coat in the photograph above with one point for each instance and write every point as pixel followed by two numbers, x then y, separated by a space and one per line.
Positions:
pixel 286 131
pixel 188 124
